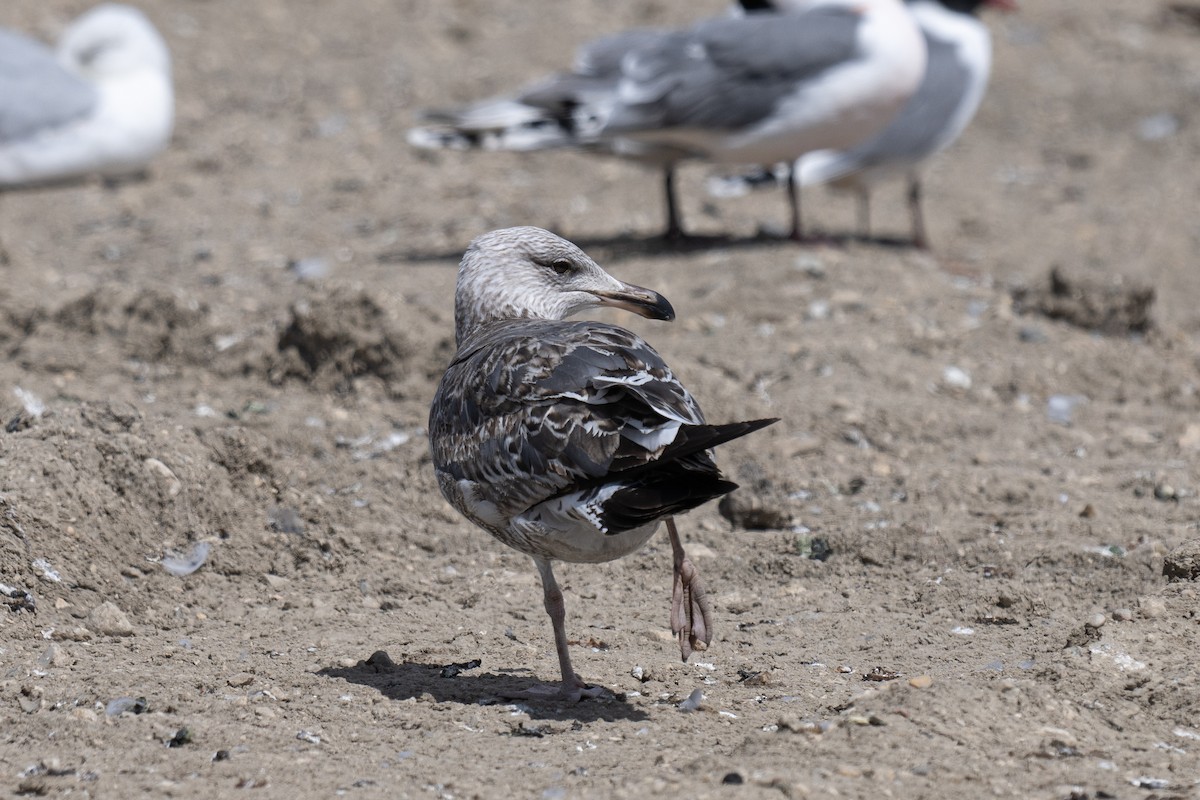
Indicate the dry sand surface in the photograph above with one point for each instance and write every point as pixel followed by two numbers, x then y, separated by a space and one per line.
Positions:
pixel 238 354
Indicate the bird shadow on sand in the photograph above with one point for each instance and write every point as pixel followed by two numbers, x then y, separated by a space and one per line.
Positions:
pixel 626 246
pixel 447 684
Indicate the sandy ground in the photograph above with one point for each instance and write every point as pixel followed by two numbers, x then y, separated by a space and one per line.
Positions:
pixel 238 354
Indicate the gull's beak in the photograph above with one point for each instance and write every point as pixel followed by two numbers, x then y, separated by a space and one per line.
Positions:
pixel 643 302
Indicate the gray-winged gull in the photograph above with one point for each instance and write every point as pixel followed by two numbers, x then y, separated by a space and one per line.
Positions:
pixel 569 441
pixel 759 88
pixel 956 76
pixel 102 104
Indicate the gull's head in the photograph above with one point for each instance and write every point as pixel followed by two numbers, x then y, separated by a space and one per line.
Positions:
pixel 112 40
pixel 529 273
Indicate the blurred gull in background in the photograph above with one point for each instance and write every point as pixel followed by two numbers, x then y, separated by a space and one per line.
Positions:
pixel 102 104
pixel 766 86
pixel 959 62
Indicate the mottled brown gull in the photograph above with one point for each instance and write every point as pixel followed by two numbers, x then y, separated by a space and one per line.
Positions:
pixel 570 441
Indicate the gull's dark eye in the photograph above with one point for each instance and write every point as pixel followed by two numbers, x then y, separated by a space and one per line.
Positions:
pixel 561 265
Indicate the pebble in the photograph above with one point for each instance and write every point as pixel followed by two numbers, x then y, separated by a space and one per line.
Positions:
pixel 30 699
pixel 956 378
pixel 109 620
pixel 54 656
pixel 1122 614
pixel 165 476
pixel 122 705
pixel 240 679
pixel 1152 607
pixel 798 725
pixel 920 682
pixel 1095 620
pixel 276 582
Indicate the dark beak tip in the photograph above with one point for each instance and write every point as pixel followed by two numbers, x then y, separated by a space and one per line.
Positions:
pixel 666 312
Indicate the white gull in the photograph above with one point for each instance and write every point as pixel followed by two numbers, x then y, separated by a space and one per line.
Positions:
pixel 102 104
pixel 956 76
pixel 760 88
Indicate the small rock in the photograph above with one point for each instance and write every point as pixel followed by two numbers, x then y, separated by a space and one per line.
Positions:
pixel 276 582
pixel 797 725
pixel 240 679
pixel 1095 621
pixel 1190 438
pixel 108 620
pixel 1122 614
pixel 956 378
pixel 640 674
pixel 920 681
pixel 1059 735
pixel 122 705
pixel 180 738
pixel 30 699
pixel 1165 491
pixel 166 478
pixel 54 656
pixel 1152 607
pixel 1060 408
pixel 755 512
pixel 285 520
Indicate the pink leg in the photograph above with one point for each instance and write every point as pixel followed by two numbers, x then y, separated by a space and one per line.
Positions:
pixel 572 687
pixel 691 619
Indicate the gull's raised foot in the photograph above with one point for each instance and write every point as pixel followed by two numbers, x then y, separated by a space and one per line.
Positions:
pixel 690 617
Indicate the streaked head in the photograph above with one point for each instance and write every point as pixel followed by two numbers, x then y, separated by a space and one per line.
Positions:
pixel 112 39
pixel 529 273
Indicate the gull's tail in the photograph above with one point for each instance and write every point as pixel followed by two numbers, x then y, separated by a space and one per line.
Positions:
pixel 498 124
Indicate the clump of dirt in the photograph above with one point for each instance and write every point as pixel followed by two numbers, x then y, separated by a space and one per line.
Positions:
pixel 103 491
pixel 1183 563
pixel 331 342
pixel 758 504
pixel 143 324
pixel 1114 310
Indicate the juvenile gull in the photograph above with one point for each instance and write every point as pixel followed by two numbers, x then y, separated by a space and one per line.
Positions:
pixel 102 104
pixel 956 75
pixel 760 88
pixel 569 441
